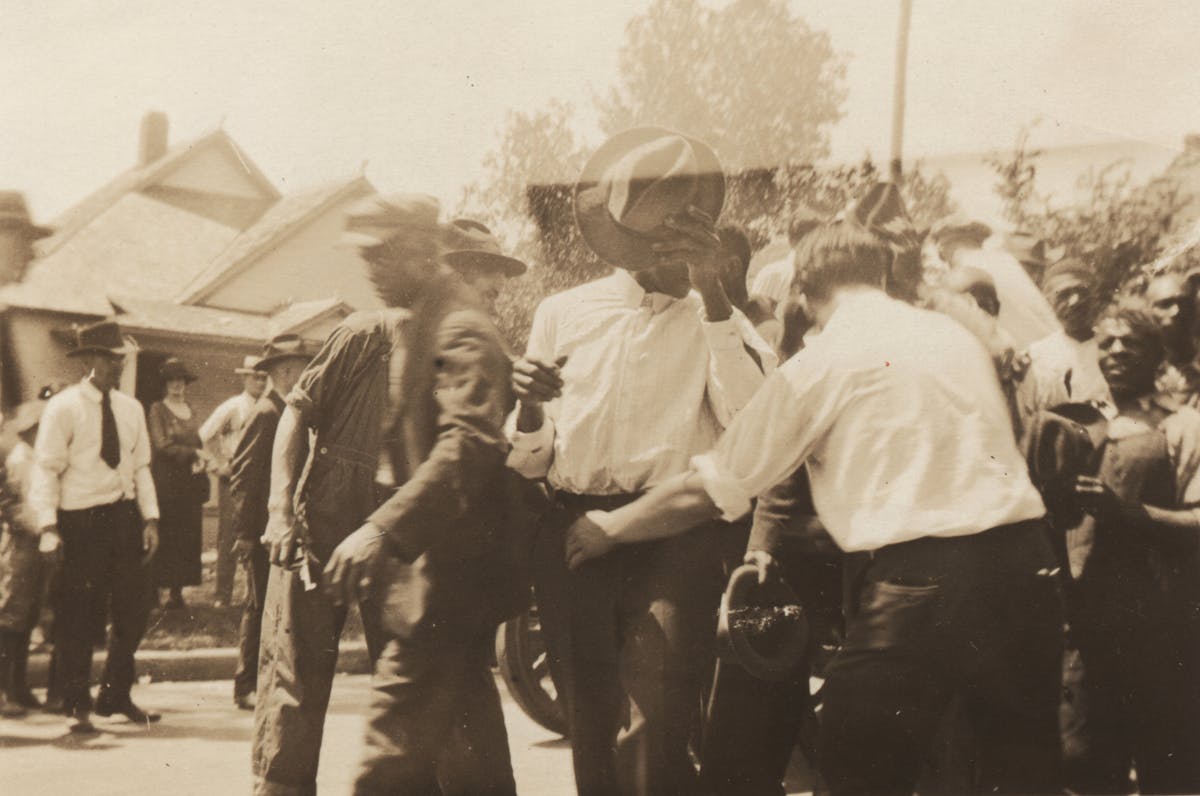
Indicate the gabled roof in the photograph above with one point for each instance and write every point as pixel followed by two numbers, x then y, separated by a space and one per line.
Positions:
pixel 139 178
pixel 137 245
pixel 139 314
pixel 286 217
pixel 295 317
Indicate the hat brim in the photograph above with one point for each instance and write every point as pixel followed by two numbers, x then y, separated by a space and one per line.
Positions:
pixel 735 643
pixel 466 258
pixel 246 371
pixel 613 243
pixel 96 349
pixel 266 362
pixel 357 240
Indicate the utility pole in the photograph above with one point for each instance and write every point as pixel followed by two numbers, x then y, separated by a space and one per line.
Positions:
pixel 901 78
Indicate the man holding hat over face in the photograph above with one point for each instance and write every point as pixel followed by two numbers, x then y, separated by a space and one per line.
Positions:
pixel 93 498
pixel 220 434
pixel 283 359
pixel 625 378
pixel 407 407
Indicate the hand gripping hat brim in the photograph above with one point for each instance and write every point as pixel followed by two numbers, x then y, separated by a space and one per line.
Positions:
pixel 648 174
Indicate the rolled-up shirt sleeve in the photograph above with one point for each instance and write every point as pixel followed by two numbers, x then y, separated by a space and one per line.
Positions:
pixel 734 374
pixel 771 436
pixel 49 461
pixel 143 480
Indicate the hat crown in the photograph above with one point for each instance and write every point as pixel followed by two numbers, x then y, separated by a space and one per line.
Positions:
pixel 173 368
pixel 102 334
pixel 288 343
pixel 469 235
pixel 652 182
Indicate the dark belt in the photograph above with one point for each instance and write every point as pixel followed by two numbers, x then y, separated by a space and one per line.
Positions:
pixel 571 501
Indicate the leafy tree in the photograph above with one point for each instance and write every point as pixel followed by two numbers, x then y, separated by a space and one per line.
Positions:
pixel 1119 227
pixel 751 79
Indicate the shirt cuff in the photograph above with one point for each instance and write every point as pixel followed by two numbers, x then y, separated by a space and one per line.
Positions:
pixel 603 520
pixel 531 450
pixel 724 490
pixel 722 335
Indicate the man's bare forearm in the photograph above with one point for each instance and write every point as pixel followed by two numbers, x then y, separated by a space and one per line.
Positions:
pixel 287 459
pixel 669 509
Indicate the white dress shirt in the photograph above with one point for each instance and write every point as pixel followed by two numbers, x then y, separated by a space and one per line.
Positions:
pixel 1061 370
pixel 68 472
pixel 227 422
pixel 899 414
pixel 647 384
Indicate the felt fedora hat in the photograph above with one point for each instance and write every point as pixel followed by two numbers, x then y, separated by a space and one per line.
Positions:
pixel 379 218
pixel 248 367
pixel 14 213
pixel 101 337
pixel 173 369
pixel 472 244
pixel 761 627
pixel 636 181
pixel 281 347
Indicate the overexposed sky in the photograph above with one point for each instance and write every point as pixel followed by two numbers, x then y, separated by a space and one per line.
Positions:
pixel 420 90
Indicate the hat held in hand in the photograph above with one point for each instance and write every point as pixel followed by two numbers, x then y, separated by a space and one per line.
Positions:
pixel 761 627
pixel 634 183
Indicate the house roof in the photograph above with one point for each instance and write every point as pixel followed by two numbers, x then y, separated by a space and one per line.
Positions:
pixel 139 314
pixel 285 217
pixel 82 213
pixel 295 317
pixel 137 245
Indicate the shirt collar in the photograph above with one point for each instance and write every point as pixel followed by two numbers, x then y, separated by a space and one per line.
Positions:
pixel 856 304
pixel 634 295
pixel 90 390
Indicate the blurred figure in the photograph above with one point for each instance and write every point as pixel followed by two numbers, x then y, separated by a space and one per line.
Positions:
pixel 1024 314
pixel 181 482
pixel 757 309
pixel 1065 366
pixel 1170 300
pixel 283 359
pixel 477 259
pixel 1031 252
pixel 93 496
pixel 22 570
pixel 220 434
pixel 774 281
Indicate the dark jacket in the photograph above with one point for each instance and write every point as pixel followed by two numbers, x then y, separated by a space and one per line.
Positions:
pixel 452 521
pixel 250 468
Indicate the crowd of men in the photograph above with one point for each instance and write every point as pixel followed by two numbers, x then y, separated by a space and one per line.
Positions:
pixel 981 477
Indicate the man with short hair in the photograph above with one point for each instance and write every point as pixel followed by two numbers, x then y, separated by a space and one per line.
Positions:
pixel 899 416
pixel 220 434
pixel 1170 300
pixel 94 501
pixel 282 361
pixel 624 378
pixel 1065 366
pixel 1132 691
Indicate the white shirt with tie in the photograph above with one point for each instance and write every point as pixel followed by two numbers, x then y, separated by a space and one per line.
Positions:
pixel 648 383
pixel 68 472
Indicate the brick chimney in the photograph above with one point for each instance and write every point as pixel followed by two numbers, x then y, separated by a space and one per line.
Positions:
pixel 153 142
pixel 17 234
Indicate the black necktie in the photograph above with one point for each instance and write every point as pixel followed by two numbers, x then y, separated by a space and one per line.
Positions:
pixel 110 444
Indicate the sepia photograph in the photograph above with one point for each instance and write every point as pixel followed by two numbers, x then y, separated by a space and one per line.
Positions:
pixel 625 398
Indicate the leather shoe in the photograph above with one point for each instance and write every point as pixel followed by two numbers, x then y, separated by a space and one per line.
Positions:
pixel 107 705
pixel 25 699
pixel 246 701
pixel 80 723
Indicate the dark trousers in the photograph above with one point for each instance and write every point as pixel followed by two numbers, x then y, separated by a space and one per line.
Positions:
pixel 258 570
pixel 297 660
pixel 1131 695
pixel 435 724
pixel 753 725
pixel 978 617
pixel 637 624
pixel 226 563
pixel 102 573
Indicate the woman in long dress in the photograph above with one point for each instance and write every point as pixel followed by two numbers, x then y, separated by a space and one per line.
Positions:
pixel 180 482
